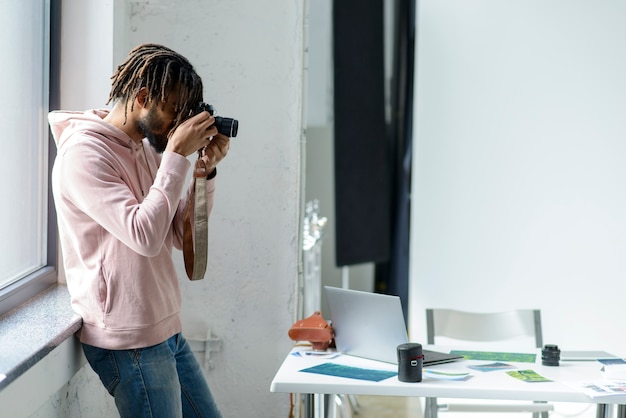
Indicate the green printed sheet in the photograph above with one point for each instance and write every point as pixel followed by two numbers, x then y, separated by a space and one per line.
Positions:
pixel 527 376
pixel 350 372
pixel 496 356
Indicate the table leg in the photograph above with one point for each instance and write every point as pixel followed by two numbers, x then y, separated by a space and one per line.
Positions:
pixel 320 406
pixel 431 409
pixel 603 411
pixel 309 405
pixel 317 405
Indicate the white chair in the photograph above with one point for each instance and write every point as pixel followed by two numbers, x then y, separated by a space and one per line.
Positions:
pixel 346 406
pixel 493 328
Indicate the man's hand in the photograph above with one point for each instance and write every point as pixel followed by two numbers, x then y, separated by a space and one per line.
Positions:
pixel 215 151
pixel 193 134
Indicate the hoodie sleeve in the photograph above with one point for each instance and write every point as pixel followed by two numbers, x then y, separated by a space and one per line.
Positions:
pixel 96 183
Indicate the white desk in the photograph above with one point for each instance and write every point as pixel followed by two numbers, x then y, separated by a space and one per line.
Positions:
pixel 482 385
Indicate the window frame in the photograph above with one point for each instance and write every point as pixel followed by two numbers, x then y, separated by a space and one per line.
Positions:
pixel 33 284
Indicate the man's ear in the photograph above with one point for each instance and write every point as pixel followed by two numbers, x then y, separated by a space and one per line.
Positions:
pixel 142 98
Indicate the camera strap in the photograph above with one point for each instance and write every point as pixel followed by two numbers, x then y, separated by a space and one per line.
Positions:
pixel 195 239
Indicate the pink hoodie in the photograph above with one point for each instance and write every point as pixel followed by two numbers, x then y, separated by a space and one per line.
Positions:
pixel 119 212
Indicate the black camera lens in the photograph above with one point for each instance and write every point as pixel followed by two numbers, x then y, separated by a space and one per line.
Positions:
pixel 550 355
pixel 225 126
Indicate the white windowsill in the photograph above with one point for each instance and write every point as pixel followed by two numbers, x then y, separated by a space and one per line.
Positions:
pixel 32 330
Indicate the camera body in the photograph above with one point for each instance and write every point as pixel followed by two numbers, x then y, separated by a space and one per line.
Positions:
pixel 225 126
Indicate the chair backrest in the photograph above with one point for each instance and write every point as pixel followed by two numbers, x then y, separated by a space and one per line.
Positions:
pixel 496 326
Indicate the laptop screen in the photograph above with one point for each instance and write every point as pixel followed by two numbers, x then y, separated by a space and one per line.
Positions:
pixel 369 325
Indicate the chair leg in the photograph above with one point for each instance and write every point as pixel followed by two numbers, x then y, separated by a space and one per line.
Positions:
pixel 343 405
pixel 542 414
pixel 354 403
pixel 431 410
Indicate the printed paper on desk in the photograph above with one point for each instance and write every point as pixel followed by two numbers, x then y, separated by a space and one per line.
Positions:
pixel 318 354
pixel 491 367
pixel 445 375
pixel 528 376
pixel 596 389
pixel 496 356
pixel 339 370
pixel 612 361
pixel 613 369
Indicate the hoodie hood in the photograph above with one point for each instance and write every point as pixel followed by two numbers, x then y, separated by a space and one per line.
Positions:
pixel 65 123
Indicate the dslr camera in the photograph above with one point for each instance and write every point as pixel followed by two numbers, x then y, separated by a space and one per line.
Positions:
pixel 225 126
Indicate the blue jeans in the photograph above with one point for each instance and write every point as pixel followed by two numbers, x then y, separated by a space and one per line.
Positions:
pixel 164 380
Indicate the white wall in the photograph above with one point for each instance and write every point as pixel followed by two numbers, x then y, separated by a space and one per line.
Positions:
pixel 518 173
pixel 250 56
pixel 61 385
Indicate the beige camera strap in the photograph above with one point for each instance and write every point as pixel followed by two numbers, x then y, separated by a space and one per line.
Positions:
pixel 195 239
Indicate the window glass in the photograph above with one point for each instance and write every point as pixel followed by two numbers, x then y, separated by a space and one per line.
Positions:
pixel 24 40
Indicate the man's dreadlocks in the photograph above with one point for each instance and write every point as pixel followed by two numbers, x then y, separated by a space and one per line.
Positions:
pixel 160 70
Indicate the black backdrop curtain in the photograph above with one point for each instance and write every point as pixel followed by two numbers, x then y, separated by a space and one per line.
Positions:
pixel 361 149
pixel 372 155
pixel 392 277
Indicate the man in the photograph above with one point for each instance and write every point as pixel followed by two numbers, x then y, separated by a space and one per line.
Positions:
pixel 117 181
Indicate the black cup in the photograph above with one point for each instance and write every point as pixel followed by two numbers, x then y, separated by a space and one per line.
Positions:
pixel 410 360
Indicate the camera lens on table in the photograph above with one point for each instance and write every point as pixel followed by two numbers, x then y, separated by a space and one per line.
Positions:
pixel 550 355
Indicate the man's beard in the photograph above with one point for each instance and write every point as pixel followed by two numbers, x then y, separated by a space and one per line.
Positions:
pixel 147 126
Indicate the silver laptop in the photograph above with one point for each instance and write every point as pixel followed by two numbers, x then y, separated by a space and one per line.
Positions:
pixel 371 325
